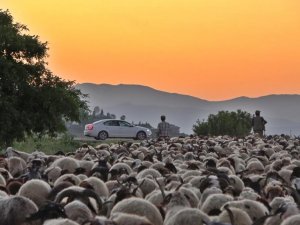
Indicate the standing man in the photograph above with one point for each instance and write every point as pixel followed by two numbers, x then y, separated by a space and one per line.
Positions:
pixel 258 124
pixel 163 128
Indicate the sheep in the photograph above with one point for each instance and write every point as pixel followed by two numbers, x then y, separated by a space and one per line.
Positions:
pixel 174 202
pixel 48 211
pixel 190 172
pixel 82 177
pixel 86 165
pixel 208 192
pixel 281 212
pixel 147 186
pixel 78 211
pixel 52 174
pixel 148 172
pixel 277 202
pixel 67 177
pixel 156 197
pixel 5 174
pixel 190 195
pixel 101 169
pixel 2 181
pixel 213 203
pixel 129 219
pixel 16 166
pixel 13 186
pixel 254 209
pixel 248 193
pixel 138 207
pixel 60 222
pixel 292 220
pixel 118 169
pixel 10 152
pixel 84 195
pixel 235 216
pixel 67 164
pixel 97 185
pixel 3 194
pixel 36 190
pixel 188 216
pixel 14 210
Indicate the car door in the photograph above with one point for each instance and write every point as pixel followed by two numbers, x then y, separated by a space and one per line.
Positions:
pixel 127 129
pixel 112 127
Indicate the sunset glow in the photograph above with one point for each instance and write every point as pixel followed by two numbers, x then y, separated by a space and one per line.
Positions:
pixel 212 49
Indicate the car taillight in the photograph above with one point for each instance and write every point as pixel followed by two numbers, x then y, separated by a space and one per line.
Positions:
pixel 90 126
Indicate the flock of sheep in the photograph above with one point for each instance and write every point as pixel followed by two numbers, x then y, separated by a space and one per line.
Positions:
pixel 182 181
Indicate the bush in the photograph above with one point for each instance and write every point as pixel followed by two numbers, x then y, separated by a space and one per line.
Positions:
pixel 225 123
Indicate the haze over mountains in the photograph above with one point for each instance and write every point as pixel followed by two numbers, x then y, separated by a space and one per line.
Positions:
pixel 141 103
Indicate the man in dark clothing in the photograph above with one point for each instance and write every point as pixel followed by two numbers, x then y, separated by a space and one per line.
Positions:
pixel 163 128
pixel 258 124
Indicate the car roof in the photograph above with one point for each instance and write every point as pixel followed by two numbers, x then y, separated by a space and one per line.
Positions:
pixel 104 120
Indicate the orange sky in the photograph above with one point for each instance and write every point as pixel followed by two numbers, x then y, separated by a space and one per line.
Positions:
pixel 212 49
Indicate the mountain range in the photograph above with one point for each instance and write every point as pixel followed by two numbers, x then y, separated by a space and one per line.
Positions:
pixel 142 103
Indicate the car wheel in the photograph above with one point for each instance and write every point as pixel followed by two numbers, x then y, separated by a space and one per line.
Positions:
pixel 102 135
pixel 141 135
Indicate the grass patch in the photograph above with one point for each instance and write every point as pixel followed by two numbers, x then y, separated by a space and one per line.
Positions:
pixel 63 142
pixel 49 145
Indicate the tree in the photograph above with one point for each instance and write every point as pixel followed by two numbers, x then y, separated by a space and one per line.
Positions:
pixel 123 117
pixel 32 98
pixel 225 123
pixel 96 111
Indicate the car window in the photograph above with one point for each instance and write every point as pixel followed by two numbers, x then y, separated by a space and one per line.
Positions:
pixel 111 123
pixel 124 124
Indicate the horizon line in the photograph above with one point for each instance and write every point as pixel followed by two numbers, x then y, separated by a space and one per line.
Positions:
pixel 188 95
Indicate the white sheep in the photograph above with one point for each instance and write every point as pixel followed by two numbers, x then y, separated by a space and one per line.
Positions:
pixel 16 166
pixel 254 209
pixel 140 207
pixel 36 190
pixel 293 220
pixel 78 211
pixel 97 185
pixel 14 210
pixel 188 216
pixel 239 217
pixel 213 203
pixel 60 222
pixel 67 164
pixel 129 219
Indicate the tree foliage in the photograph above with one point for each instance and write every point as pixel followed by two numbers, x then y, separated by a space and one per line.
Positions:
pixel 32 98
pixel 225 123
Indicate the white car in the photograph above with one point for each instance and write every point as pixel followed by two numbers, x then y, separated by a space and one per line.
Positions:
pixel 112 128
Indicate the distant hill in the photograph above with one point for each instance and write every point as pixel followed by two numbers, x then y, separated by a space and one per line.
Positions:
pixel 141 103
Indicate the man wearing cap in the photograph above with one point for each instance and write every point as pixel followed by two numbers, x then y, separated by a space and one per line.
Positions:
pixel 258 124
pixel 163 128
